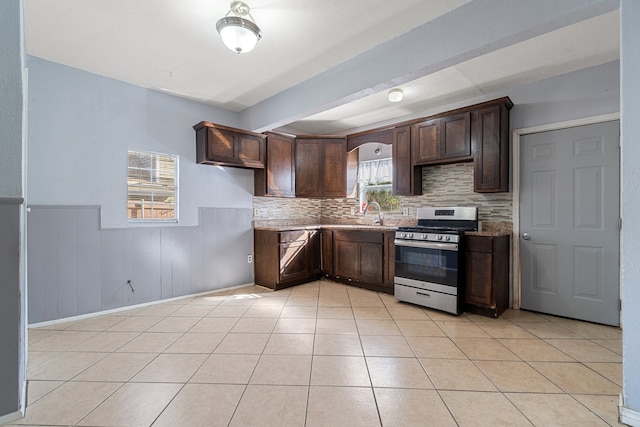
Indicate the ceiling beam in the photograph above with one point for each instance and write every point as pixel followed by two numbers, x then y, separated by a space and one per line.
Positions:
pixel 472 30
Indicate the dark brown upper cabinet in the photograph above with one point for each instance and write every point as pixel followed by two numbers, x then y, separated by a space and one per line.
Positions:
pixel 321 167
pixel 442 140
pixel 490 142
pixel 407 178
pixel 278 177
pixel 225 146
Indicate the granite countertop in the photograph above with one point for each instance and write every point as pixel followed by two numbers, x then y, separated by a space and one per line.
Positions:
pixel 489 229
pixel 488 233
pixel 493 229
pixel 289 227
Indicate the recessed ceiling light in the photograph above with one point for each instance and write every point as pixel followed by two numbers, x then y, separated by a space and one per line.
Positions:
pixel 395 95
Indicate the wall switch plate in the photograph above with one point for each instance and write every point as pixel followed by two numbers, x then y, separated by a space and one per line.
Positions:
pixel 256 212
pixel 249 259
pixel 353 211
pixel 405 211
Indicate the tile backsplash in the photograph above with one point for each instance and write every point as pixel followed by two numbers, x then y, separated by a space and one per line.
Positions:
pixel 442 185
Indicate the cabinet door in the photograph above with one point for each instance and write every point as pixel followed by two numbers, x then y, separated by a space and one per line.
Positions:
pixel 314 252
pixel 490 139
pixel 389 258
pixel 479 286
pixel 220 145
pixel 334 168
pixel 456 137
pixel 294 261
pixel 309 167
pixel 278 177
pixel 370 260
pixel 249 150
pixel 425 141
pixel 346 259
pixel 407 179
pixel 326 245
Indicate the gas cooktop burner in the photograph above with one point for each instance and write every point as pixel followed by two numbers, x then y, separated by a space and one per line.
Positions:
pixel 432 229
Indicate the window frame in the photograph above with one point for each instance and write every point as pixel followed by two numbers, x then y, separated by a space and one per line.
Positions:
pixel 155 158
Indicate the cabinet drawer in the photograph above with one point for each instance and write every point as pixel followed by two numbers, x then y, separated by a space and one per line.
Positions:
pixel 479 243
pixel 359 236
pixel 293 236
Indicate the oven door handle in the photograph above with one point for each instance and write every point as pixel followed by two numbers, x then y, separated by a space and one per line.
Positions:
pixel 427 245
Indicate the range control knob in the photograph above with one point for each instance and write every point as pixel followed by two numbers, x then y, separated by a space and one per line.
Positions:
pixel 423 236
pixel 447 238
pixel 439 236
pixel 410 235
pixel 403 235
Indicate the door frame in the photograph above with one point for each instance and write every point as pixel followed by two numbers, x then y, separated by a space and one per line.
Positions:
pixel 515 137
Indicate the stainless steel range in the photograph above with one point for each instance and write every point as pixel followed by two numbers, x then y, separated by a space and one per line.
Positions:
pixel 429 260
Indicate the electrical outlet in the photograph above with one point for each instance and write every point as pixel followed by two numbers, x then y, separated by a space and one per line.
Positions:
pixel 249 259
pixel 405 211
pixel 353 211
pixel 256 212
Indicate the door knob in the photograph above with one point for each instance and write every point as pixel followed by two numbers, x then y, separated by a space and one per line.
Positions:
pixel 526 236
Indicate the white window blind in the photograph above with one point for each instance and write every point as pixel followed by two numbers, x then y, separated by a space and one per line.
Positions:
pixel 152 187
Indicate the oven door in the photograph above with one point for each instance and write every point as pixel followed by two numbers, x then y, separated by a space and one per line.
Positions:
pixel 427 261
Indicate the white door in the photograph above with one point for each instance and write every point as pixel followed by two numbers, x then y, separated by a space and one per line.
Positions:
pixel 569 230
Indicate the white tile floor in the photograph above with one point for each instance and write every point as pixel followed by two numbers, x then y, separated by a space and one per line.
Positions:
pixel 321 354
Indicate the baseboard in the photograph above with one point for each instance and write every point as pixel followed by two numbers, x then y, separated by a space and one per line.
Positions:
pixel 129 307
pixel 9 418
pixel 629 416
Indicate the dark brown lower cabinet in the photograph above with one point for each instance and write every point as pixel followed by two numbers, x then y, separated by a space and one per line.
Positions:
pixel 487 275
pixel 359 259
pixel 286 258
pixel 326 248
pixel 355 257
pixel 389 259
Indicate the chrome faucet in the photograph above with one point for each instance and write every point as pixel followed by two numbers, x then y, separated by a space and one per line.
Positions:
pixel 366 209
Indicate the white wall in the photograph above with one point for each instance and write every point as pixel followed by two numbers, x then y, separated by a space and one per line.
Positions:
pixel 81 126
pixel 630 195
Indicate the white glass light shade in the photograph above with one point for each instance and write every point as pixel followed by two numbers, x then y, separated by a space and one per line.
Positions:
pixel 395 95
pixel 238 34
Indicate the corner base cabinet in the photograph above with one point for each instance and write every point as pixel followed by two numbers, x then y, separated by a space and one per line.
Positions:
pixel 286 258
pixel 487 275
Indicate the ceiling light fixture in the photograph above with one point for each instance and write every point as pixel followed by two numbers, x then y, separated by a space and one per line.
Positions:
pixel 395 95
pixel 238 33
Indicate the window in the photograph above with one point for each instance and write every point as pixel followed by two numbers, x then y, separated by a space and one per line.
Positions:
pixel 152 187
pixel 374 179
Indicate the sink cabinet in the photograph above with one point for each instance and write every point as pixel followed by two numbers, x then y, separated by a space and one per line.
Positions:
pixel 363 258
pixel 321 167
pixel 278 177
pixel 286 258
pixel 224 146
pixel 389 258
pixel 487 275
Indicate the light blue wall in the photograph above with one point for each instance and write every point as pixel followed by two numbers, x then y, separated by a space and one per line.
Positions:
pixel 12 301
pixel 75 268
pixel 630 192
pixel 81 247
pixel 81 126
pixel 11 96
